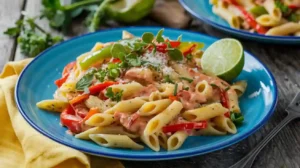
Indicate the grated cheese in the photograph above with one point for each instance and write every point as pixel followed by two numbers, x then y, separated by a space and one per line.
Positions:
pixel 157 58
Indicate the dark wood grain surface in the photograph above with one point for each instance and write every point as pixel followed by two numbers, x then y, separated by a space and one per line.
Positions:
pixel 283 61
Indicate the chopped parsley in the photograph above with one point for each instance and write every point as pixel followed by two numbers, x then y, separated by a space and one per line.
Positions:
pixel 167 79
pixel 114 96
pixel 236 118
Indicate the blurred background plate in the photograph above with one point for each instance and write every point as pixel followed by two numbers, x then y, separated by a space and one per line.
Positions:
pixel 37 83
pixel 202 10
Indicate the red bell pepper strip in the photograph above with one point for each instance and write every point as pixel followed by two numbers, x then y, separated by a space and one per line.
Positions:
pixel 174 44
pixel 116 60
pixel 184 126
pixel 294 6
pixel 68 68
pixel 99 87
pixel 248 17
pixel 224 99
pixel 161 47
pixel 173 98
pixel 72 122
pixel 91 113
pixel 79 99
pixel 65 74
pixel 227 114
pixel 61 81
pixel 189 50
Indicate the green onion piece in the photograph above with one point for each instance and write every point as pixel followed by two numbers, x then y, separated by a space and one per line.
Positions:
pixel 187 79
pixel 175 89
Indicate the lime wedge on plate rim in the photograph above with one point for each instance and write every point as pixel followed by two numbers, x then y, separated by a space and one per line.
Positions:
pixel 224 58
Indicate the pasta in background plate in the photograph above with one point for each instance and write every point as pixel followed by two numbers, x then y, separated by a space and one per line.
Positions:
pixel 149 89
pixel 269 17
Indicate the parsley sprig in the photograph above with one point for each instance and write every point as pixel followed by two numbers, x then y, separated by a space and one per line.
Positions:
pixel 236 118
pixel 32 38
pixel 114 96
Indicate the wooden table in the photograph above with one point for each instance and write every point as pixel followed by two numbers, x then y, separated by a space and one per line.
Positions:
pixel 283 61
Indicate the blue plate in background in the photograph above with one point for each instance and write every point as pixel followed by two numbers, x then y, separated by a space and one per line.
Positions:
pixel 36 83
pixel 202 10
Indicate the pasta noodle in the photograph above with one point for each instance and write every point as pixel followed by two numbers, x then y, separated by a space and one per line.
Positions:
pixel 268 17
pixel 163 118
pixel 205 113
pixel 123 92
pixel 115 141
pixel 176 140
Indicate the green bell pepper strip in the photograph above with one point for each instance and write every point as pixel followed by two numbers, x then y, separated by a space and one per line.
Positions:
pixel 258 10
pixel 96 57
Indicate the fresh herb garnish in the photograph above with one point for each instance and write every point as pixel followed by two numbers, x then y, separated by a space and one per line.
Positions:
pixel 175 89
pixel 283 8
pixel 114 96
pixel 226 89
pixel 133 60
pixel 100 75
pixel 159 37
pixel 187 79
pixel 189 57
pixel 33 39
pixel 175 54
pixel 117 51
pixel 294 17
pixel 148 37
pixel 236 118
pixel 179 38
pixel 167 79
pixel 84 82
pixel 186 88
pixel 214 85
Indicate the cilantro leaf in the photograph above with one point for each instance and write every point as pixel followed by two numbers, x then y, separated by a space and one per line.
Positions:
pixel 283 8
pixel 175 89
pixel 84 82
pixel 133 60
pixel 114 96
pixel 117 50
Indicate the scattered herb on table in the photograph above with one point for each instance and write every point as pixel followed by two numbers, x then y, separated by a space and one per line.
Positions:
pixel 32 38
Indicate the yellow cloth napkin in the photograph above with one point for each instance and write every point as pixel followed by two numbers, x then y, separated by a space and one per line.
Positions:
pixel 22 146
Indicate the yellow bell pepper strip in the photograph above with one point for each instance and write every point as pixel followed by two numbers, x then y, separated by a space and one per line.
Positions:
pixel 95 57
pixel 189 47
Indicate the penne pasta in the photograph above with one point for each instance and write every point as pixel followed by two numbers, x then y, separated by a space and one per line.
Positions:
pixel 204 88
pixel 127 106
pixel 211 129
pixel 233 101
pixel 117 130
pixel 163 118
pixel 162 139
pixel 128 89
pixel 100 120
pixel 52 105
pixel 151 141
pixel 154 107
pixel 225 124
pixel 239 87
pixel 272 9
pixel 205 113
pixel 232 19
pixel 285 29
pixel 115 141
pixel 176 140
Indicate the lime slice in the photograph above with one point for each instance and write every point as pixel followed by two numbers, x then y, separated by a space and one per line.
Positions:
pixel 224 58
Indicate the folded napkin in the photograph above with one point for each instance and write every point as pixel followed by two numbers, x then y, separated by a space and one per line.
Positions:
pixel 22 146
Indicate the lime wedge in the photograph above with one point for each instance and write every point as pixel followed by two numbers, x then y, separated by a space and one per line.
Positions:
pixel 224 58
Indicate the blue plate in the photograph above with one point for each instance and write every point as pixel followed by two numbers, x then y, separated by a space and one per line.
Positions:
pixel 202 10
pixel 36 83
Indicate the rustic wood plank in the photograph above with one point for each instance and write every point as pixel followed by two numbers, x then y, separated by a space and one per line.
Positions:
pixel 10 11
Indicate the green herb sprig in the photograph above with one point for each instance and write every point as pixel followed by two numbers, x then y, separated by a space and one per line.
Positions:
pixel 32 38
pixel 114 96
